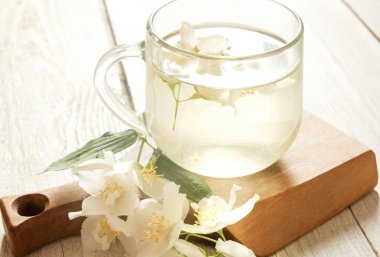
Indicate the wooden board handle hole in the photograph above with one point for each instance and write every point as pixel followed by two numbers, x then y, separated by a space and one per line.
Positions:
pixel 30 205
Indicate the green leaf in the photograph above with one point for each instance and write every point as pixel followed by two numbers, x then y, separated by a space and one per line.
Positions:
pixel 95 148
pixel 193 185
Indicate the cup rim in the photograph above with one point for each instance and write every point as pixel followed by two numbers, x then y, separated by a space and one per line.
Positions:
pixel 295 40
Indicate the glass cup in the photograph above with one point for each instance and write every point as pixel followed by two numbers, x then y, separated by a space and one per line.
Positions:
pixel 224 115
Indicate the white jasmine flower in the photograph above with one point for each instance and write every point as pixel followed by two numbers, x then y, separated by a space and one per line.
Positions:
pixel 154 227
pixel 110 185
pixel 149 182
pixel 214 213
pixel 233 249
pixel 99 232
pixel 209 93
pixel 225 97
pixel 214 44
pixel 187 36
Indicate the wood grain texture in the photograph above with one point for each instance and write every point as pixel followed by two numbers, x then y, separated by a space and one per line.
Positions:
pixel 48 107
pixel 300 191
pixel 35 219
pixel 368 12
pixel 341 74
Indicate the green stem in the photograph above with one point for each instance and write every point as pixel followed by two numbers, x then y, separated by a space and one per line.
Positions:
pixel 149 144
pixel 221 234
pixel 200 236
pixel 176 107
pixel 143 140
pixel 217 255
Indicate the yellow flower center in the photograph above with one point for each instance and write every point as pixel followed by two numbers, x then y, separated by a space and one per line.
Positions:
pixel 156 227
pixel 208 214
pixel 248 92
pixel 112 191
pixel 149 173
pixel 103 233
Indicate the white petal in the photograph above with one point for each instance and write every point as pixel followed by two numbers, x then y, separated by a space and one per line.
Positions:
pixel 239 213
pixel 153 249
pixel 213 44
pixel 214 202
pixel 208 93
pixel 120 202
pixel 74 215
pixel 123 167
pixel 174 233
pixel 109 157
pixel 129 245
pixel 125 205
pixel 137 175
pixel 94 205
pixel 117 224
pixel 91 181
pixel 92 165
pixel 214 67
pixel 188 249
pixel 138 221
pixel 233 249
pixel 199 229
pixel 224 219
pixel 88 239
pixel 233 97
pixel 176 205
pixel 187 36
pixel 152 188
pixel 233 195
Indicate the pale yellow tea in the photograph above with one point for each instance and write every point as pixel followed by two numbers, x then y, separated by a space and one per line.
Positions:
pixel 220 119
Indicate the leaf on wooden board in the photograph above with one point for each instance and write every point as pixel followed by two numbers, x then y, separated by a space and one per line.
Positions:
pixel 95 148
pixel 193 185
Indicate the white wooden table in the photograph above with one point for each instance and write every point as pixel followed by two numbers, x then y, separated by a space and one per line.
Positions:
pixel 48 106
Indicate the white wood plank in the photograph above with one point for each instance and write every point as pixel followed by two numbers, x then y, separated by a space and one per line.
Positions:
pixel 332 239
pixel 367 213
pixel 368 11
pixel 342 71
pixel 335 71
pixel 128 20
pixel 48 106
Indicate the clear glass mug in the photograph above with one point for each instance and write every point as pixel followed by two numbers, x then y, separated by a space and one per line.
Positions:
pixel 217 115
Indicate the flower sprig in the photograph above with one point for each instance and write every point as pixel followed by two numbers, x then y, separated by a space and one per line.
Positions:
pixel 144 206
pixel 155 210
pixel 214 45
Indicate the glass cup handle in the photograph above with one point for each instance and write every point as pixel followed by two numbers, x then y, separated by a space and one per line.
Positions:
pixel 121 110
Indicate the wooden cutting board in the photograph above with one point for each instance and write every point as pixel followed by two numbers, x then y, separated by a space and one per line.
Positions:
pixel 322 173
